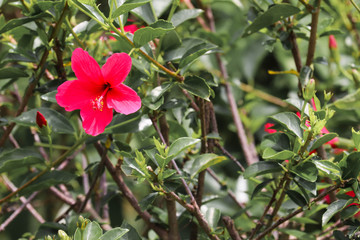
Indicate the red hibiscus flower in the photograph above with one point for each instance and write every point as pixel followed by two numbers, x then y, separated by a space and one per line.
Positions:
pixel 97 91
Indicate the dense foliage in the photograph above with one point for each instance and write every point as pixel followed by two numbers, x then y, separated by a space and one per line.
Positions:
pixel 248 125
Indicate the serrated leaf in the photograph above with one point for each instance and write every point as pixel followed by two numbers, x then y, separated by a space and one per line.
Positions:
pixel 196 86
pixel 306 170
pixel 12 73
pixel 297 198
pixel 260 168
pixel 155 30
pixel 273 14
pixel 334 208
pixel 19 158
pixel 184 15
pixel 290 121
pixel 114 234
pixel 92 231
pixel 204 161
pixel 322 140
pixel 127 6
pixel 181 144
pixel 55 120
pixel 271 154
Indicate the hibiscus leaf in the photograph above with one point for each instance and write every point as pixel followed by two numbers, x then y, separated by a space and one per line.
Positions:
pixel 56 121
pixel 127 6
pixel 16 22
pixel 273 14
pixel 19 158
pixel 322 140
pixel 12 72
pixel 290 121
pixel 195 52
pixel 114 234
pixel 334 208
pixel 145 12
pixel 155 30
pixel 196 86
pixel 204 161
pixel 184 15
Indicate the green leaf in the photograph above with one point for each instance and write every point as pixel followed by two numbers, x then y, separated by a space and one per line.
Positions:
pixel 212 216
pixel 260 168
pixel 145 13
pixel 57 122
pixel 181 144
pixel 92 231
pixel 127 6
pixel 273 14
pixel 16 22
pixel 146 202
pixel 322 140
pixel 278 141
pixel 49 179
pixel 290 121
pixel 350 166
pixel 114 234
pixel 334 208
pixel 349 102
pixel 184 15
pixel 155 30
pixel 128 123
pixel 356 138
pixel 329 168
pixel 271 154
pixel 12 73
pixel 196 86
pixel 19 158
pixel 260 186
pixel 89 7
pixel 194 53
pixel 298 103
pixel 297 198
pixel 132 234
pixel 306 170
pixel 297 234
pixel 204 161
pixel 171 40
pixel 50 96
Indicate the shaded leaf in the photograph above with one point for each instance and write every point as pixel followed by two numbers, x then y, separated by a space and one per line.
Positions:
pixel 184 15
pixel 195 52
pixel 56 121
pixel 350 166
pixel 322 140
pixel 271 154
pixel 290 121
pixel 155 30
pixel 114 234
pixel 306 170
pixel 329 168
pixel 16 22
pixel 204 161
pixel 349 102
pixel 12 72
pixel 181 144
pixel 260 168
pixel 334 208
pixel 260 186
pixel 197 86
pixel 297 198
pixel 273 14
pixel 127 6
pixel 19 158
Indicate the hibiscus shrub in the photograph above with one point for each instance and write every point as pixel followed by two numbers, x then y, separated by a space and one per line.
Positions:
pixel 169 119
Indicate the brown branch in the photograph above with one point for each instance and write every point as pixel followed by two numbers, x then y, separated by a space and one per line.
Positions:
pixel 313 32
pixel 230 226
pixel 117 177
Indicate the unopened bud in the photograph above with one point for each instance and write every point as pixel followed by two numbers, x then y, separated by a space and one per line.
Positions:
pixel 327 96
pixel 309 90
pixel 332 42
pixel 40 120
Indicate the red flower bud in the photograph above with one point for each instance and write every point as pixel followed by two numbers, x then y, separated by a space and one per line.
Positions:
pixel 332 42
pixel 40 120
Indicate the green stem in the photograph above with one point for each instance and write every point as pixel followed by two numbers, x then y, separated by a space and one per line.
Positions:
pixel 153 10
pixel 355 5
pixel 79 42
pixel 119 18
pixel 59 147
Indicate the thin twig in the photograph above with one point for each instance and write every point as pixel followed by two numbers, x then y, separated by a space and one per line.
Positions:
pixel 31 209
pixel 230 226
pixel 225 152
pixel 17 212
pixel 313 34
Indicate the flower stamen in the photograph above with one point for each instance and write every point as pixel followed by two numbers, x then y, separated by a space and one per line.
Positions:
pixel 98 102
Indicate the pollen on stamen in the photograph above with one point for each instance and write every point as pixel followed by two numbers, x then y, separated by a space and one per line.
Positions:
pixel 98 103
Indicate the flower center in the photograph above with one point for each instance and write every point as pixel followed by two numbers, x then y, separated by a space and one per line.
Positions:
pixel 98 102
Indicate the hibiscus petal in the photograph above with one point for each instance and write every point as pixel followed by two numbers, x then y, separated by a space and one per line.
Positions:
pixel 75 94
pixel 123 99
pixel 95 121
pixel 116 68
pixel 85 67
